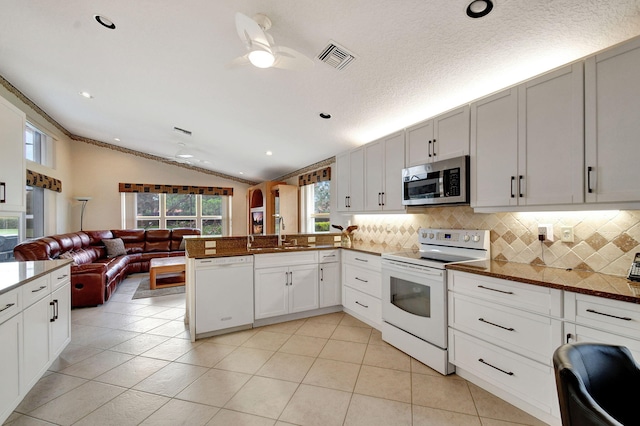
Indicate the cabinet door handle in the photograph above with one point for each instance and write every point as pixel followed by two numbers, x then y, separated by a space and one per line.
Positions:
pixel 496 325
pixel 362 260
pixel 569 337
pixel 589 170
pixel 62 276
pixel 379 198
pixel 608 315
pixel 509 373
pixel 513 179
pixel 360 279
pixel 495 289
pixel 434 147
pixel 429 149
pixel 290 278
pixel 42 287
pixel 7 306
pixel 382 198
pixel 53 312
pixel 520 185
pixel 56 308
pixel 321 274
pixel 3 192
pixel 363 305
pixel 286 278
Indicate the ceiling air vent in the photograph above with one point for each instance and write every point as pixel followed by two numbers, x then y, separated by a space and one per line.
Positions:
pixel 336 56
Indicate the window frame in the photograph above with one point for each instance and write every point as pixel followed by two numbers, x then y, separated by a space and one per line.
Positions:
pixel 307 207
pixel 162 217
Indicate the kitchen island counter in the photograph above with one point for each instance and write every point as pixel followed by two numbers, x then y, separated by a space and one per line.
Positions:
pixel 577 281
pixel 15 274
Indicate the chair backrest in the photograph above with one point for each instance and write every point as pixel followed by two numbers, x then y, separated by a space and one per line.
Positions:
pixel 597 384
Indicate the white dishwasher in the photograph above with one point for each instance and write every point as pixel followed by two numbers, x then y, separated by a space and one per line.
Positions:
pixel 223 294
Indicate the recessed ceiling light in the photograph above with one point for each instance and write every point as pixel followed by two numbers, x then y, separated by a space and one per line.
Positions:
pixel 240 173
pixel 269 153
pixel 86 95
pixel 479 8
pixel 116 139
pixel 105 22
pixel 325 115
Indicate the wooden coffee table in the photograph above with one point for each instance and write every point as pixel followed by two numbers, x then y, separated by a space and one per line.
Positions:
pixel 173 266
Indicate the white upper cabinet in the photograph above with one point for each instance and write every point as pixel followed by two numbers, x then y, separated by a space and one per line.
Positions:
pixel 350 168
pixel 12 163
pixel 527 143
pixel 494 149
pixel 384 161
pixel 612 124
pixel 439 138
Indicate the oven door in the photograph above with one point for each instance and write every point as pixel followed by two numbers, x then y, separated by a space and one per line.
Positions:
pixel 414 300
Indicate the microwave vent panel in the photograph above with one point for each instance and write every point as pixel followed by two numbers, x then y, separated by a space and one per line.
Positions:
pixel 336 56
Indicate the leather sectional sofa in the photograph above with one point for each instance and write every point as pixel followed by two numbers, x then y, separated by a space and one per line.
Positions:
pixel 94 275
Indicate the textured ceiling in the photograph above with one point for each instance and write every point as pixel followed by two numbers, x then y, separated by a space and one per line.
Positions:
pixel 164 66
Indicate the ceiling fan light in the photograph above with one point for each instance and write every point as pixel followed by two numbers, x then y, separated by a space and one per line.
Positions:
pixel 261 58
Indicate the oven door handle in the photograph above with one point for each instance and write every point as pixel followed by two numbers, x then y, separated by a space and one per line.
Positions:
pixel 392 267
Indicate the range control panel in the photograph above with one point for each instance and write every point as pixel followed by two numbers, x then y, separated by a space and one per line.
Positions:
pixel 454 237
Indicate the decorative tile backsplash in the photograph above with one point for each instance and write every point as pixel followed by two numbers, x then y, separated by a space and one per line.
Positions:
pixel 604 241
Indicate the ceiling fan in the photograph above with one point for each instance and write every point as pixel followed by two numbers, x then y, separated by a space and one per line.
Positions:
pixel 262 52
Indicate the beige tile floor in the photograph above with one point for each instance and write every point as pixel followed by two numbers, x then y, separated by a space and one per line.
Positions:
pixel 131 362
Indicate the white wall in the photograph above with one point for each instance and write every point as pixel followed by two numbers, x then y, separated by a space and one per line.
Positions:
pixel 97 172
pixel 57 219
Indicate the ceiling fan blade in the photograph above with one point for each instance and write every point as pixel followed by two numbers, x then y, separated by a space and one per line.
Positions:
pixel 290 59
pixel 250 32
pixel 239 62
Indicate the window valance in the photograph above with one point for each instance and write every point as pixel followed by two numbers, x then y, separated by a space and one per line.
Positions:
pixel 43 181
pixel 315 177
pixel 174 189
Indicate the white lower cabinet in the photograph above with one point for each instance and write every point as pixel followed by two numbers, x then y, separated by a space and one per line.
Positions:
pixel 288 285
pixel 362 286
pixel 11 356
pixel 595 319
pixel 35 327
pixel 329 281
pixel 502 335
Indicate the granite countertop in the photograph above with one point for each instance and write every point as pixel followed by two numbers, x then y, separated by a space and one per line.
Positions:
pixel 237 246
pixel 15 274
pixel 585 282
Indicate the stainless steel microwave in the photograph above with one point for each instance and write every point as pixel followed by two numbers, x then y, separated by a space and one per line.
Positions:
pixel 441 182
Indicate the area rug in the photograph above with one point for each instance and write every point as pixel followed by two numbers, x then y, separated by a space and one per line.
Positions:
pixel 143 290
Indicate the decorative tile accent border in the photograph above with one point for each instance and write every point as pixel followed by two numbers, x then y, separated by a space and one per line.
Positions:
pixel 604 241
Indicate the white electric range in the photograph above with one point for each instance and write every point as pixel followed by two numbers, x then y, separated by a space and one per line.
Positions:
pixel 414 292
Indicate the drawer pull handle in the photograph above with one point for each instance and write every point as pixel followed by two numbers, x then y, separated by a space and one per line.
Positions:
pixel 495 289
pixel 509 373
pixel 496 325
pixel 364 306
pixel 360 279
pixel 609 315
pixel 7 306
pixel 63 276
pixel 42 287
pixel 362 260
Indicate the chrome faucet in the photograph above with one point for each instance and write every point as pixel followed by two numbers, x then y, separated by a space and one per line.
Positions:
pixel 280 223
pixel 250 239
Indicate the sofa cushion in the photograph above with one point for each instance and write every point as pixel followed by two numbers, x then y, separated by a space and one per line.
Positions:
pixel 133 239
pixel 157 240
pixel 115 247
pixel 96 237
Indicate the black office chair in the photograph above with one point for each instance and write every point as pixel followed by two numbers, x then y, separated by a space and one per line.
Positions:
pixel 597 384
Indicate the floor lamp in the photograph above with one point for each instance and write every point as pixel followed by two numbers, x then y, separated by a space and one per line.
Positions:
pixel 84 201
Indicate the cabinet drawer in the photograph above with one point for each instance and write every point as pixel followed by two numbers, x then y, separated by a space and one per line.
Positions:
pixel 328 256
pixel 365 280
pixel 527 334
pixel 9 304
pixel 35 290
pixel 59 277
pixel 580 333
pixel 605 314
pixel 363 304
pixel 543 300
pixel 526 379
pixel 364 260
pixel 269 260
